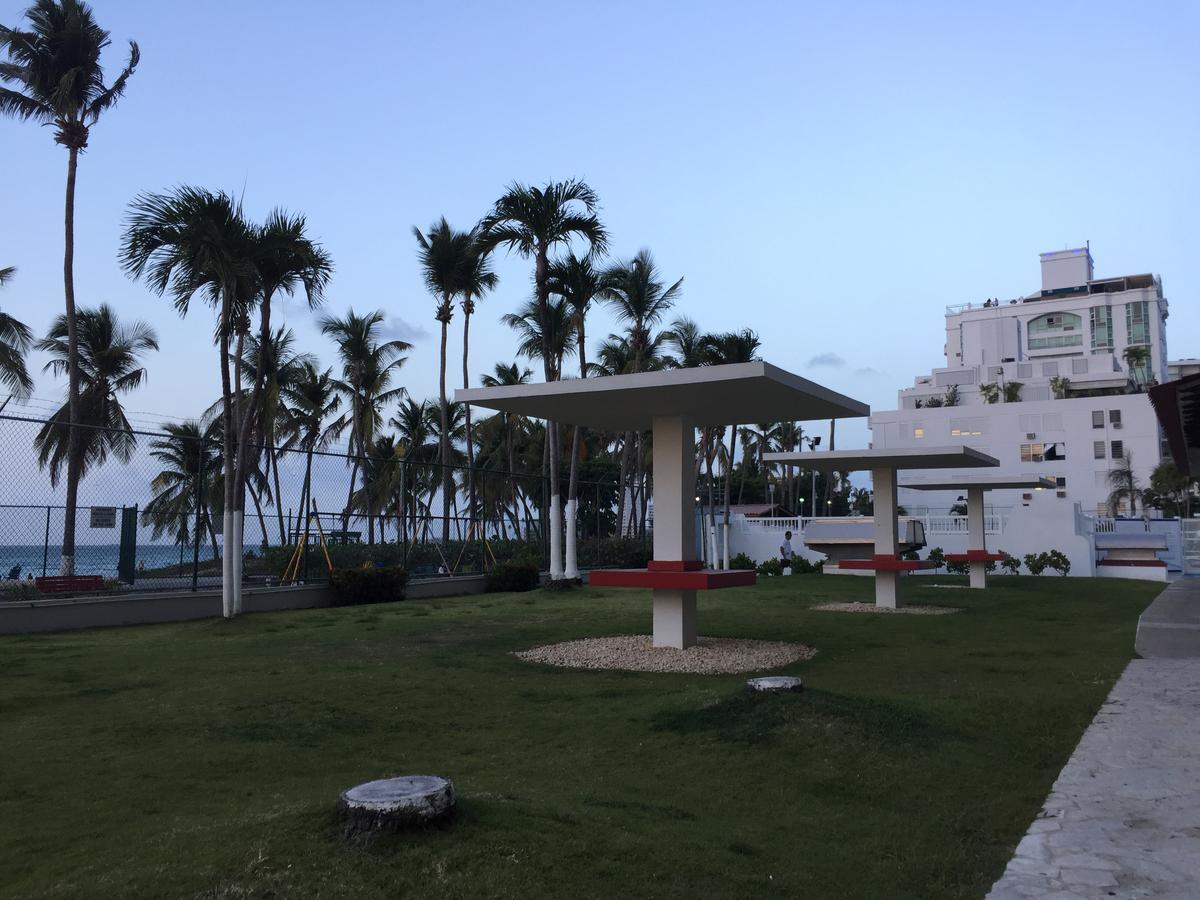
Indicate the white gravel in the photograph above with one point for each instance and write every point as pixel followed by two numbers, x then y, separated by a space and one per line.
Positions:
pixel 872 608
pixel 633 653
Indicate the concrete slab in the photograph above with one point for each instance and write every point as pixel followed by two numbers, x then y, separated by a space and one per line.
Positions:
pixel 1122 820
pixel 1170 626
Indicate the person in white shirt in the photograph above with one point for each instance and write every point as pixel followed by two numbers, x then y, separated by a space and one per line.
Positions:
pixel 785 549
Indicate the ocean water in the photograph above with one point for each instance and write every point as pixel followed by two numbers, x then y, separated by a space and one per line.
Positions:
pixel 92 559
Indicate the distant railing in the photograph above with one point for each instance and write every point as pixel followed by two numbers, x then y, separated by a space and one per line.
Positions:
pixel 1104 525
pixel 993 523
pixel 756 525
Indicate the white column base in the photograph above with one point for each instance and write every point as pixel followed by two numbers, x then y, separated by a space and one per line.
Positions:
pixel 226 564
pixel 674 618
pixel 978 575
pixel 887 589
pixel 571 566
pixel 236 561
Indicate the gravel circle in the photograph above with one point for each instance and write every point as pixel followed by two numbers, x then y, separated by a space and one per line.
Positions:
pixel 634 653
pixel 872 608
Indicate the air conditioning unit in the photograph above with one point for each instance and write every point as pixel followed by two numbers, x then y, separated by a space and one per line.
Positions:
pixel 1116 424
pixel 1060 494
pixel 1030 436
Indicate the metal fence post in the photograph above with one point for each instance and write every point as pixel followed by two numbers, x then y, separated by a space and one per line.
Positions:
pixel 46 544
pixel 199 512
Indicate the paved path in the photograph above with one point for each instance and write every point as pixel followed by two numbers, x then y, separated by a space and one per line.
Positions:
pixel 1123 819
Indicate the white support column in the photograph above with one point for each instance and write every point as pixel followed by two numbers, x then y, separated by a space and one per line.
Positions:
pixel 976 540
pixel 887 584
pixel 674 456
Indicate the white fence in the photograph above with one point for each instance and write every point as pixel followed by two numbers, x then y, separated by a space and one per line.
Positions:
pixel 993 523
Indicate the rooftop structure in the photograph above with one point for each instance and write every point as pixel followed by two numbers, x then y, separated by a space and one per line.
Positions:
pixel 673 404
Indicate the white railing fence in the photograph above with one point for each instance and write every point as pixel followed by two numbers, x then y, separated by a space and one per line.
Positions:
pixel 993 523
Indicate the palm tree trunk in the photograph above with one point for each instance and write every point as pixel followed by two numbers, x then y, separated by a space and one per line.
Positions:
pixel 273 462
pixel 262 521
pixel 228 599
pixel 470 443
pixel 626 441
pixel 571 565
pixel 445 441
pixel 67 564
pixel 728 481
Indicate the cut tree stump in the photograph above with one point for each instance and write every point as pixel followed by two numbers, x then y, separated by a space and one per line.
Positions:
pixel 775 683
pixel 394 804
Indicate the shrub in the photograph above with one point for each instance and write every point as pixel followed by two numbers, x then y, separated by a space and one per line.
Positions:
pixel 938 557
pixel 352 587
pixel 958 567
pixel 1057 560
pixel 801 566
pixel 1011 564
pixel 16 591
pixel 771 567
pixel 742 561
pixel 1036 563
pixel 513 576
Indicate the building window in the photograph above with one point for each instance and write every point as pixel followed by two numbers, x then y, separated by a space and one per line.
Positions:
pixel 1137 322
pixel 1055 330
pixel 1079 366
pixel 1050 368
pixel 1118 449
pixel 1043 452
pixel 1061 482
pixel 918 433
pixel 1101 321
pixel 1114 417
pixel 1098 449
pixel 1097 418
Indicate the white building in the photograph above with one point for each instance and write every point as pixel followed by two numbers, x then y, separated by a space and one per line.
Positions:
pixel 1051 383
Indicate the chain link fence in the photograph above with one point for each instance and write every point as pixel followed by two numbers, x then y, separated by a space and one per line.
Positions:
pixel 150 511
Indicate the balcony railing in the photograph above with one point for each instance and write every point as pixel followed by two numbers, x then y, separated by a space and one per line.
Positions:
pixel 993 523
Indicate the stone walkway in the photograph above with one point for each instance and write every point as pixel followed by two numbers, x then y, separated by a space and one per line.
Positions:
pixel 1123 819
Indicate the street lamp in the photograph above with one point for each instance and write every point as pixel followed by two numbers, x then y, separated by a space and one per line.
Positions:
pixel 813 444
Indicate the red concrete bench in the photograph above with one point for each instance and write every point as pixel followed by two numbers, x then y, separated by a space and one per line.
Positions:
pixel 62 584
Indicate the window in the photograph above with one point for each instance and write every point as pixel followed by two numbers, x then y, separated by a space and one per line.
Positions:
pixel 1055 330
pixel 1118 449
pixel 967 427
pixel 1079 366
pixel 1137 322
pixel 1101 321
pixel 1042 452
pixel 1061 481
pixel 1024 370
pixel 1097 418
pixel 918 433
pixel 1114 417
pixel 1098 449
pixel 1050 368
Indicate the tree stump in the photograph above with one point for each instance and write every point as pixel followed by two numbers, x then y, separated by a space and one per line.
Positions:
pixel 775 683
pixel 394 804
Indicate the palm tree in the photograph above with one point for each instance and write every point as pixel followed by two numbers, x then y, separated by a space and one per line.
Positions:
pixel 454 264
pixel 55 68
pixel 109 365
pixel 183 489
pixel 506 376
pixel 578 283
pixel 368 367
pixel 15 341
pixel 1136 361
pixel 477 279
pixel 727 349
pixel 309 398
pixel 1124 483
pixel 534 221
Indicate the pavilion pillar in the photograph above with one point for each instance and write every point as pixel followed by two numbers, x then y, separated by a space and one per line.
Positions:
pixel 887 583
pixel 976 540
pixel 674 456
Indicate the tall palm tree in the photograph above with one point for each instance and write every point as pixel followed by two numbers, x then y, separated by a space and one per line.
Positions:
pixel 1124 485
pixel 477 279
pixel 310 399
pixel 368 367
pixel 578 283
pixel 192 241
pixel 183 489
pixel 1137 359
pixel 505 376
pixel 727 349
pixel 109 361
pixel 533 222
pixel 454 264
pixel 55 69
pixel 15 341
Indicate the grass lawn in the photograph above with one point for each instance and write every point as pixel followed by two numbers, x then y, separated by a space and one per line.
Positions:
pixel 204 759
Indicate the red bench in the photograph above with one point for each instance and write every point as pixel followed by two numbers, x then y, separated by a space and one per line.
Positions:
pixel 63 584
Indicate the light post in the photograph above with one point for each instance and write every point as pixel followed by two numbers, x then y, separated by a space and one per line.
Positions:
pixel 813 444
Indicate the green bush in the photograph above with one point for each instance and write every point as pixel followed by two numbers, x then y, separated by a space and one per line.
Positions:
pixel 1057 560
pixel 801 566
pixel 614 552
pixel 16 591
pixel 770 567
pixel 742 561
pixel 513 577
pixel 1036 563
pixel 352 587
pixel 938 557
pixel 1011 564
pixel 958 568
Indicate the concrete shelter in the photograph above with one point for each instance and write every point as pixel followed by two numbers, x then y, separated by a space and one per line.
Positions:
pixel 883 466
pixel 672 405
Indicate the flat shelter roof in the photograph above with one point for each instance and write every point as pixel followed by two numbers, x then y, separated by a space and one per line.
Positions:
pixel 987 482
pixel 952 457
pixel 709 395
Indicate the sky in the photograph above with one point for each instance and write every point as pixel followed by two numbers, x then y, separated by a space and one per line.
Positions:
pixel 831 175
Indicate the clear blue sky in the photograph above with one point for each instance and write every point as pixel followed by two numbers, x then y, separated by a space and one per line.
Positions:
pixel 828 174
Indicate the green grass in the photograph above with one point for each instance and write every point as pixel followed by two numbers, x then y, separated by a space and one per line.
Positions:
pixel 204 759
